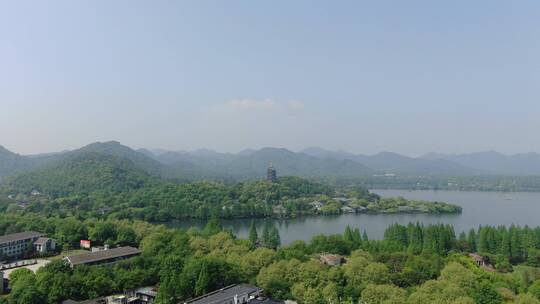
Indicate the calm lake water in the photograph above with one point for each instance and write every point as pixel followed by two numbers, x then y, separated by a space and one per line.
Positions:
pixel 479 208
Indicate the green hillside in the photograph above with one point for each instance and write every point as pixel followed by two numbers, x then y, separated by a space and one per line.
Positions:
pixel 83 172
pixel 114 148
pixel 12 163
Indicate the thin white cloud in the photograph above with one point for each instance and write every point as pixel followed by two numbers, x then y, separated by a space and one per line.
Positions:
pixel 251 104
pixel 260 104
pixel 296 105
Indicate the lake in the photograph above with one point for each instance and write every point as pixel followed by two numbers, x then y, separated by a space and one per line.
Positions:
pixel 479 208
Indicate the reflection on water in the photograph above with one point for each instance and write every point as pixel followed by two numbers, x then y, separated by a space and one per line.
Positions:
pixel 479 208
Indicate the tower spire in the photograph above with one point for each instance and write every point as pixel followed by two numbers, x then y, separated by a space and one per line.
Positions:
pixel 271 174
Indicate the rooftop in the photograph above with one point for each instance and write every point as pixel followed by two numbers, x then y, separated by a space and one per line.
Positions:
pixel 93 301
pixel 265 301
pixel 19 236
pixel 220 296
pixel 42 240
pixel 476 257
pixel 103 255
pixel 330 256
pixel 149 291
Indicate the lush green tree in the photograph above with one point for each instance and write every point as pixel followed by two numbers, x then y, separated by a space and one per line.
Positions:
pixel 55 282
pixel 436 292
pixel 376 273
pixel 70 231
pixel 24 289
pixel 415 236
pixel 275 239
pixel 169 276
pixel 527 298
pixel 383 294
pixel 253 236
pixel 534 289
pixel 471 240
pixel 276 279
pixel 203 281
pixel 212 227
pixel 485 293
pixel 103 232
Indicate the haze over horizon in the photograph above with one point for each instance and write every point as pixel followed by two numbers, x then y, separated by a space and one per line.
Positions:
pixel 408 77
pixel 312 150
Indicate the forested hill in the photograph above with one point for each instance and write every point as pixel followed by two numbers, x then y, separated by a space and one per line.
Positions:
pixel 204 165
pixel 11 163
pixel 81 173
pixel 114 148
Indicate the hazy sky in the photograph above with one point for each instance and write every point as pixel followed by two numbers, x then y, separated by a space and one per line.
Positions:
pixel 364 76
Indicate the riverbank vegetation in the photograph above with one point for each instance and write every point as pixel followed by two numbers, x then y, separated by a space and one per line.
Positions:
pixel 412 264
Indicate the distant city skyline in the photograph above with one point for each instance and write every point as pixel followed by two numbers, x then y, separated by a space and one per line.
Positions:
pixel 409 77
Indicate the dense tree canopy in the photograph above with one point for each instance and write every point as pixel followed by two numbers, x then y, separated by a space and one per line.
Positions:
pixel 412 264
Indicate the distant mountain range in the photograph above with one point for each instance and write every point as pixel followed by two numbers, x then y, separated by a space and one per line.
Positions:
pixel 310 162
pixel 489 163
pixel 389 162
pixel 494 162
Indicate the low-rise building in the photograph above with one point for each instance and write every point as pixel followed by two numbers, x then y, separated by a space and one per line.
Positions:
pixel 234 294
pixel 105 257
pixel 405 208
pixel 361 209
pixel 279 210
pixel 478 259
pixel 331 259
pixel 44 245
pixel 18 244
pixel 1 282
pixel 85 244
pixel 144 295
pixel 347 209
pixel 264 300
pixel 99 248
pixel 118 299
pixel 23 204
pixel 481 262
pixel 342 200
pixel 317 205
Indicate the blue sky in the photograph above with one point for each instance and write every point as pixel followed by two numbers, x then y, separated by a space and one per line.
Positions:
pixel 364 76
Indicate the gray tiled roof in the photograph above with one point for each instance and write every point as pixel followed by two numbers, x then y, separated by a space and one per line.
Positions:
pixel 42 240
pixel 265 301
pixel 103 255
pixel 93 301
pixel 220 296
pixel 19 236
pixel 149 291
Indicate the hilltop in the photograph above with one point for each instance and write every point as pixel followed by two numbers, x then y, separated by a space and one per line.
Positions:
pixel 82 172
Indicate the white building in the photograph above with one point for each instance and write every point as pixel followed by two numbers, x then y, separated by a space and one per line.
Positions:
pixel 17 244
pixel 44 245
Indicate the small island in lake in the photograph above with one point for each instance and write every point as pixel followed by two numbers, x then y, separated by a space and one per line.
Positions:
pixel 352 200
pixel 347 199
